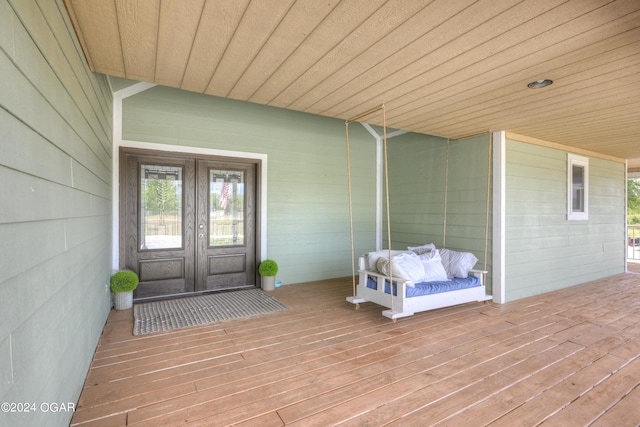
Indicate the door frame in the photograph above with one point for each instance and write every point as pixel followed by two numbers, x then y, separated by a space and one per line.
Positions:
pixel 260 160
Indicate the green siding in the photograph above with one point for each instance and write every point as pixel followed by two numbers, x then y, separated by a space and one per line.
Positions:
pixel 416 190
pixel 55 216
pixel 543 250
pixel 417 173
pixel 307 192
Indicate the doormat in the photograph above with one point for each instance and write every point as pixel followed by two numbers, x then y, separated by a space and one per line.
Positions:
pixel 177 313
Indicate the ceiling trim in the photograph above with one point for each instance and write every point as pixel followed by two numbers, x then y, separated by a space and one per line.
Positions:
pixel 568 148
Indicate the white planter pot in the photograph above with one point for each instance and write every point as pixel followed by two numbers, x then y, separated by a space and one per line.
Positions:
pixel 123 300
pixel 268 283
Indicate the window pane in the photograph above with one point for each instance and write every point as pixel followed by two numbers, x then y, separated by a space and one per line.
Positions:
pixel 578 200
pixel 226 208
pixel 577 196
pixel 578 175
pixel 160 207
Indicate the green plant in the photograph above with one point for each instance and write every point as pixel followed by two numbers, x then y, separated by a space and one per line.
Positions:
pixel 633 197
pixel 124 281
pixel 268 267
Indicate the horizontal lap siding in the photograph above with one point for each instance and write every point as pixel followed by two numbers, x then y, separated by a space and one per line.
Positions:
pixel 416 190
pixel 467 197
pixel 545 251
pixel 417 175
pixel 307 192
pixel 55 216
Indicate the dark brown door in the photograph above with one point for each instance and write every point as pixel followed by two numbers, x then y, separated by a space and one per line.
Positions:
pixel 187 225
pixel 225 221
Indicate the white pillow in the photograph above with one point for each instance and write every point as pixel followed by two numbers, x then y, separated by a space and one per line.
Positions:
pixel 457 264
pixel 372 257
pixel 422 249
pixel 406 266
pixel 433 268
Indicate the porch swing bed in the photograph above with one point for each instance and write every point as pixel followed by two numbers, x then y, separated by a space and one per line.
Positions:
pixel 420 278
pixel 412 296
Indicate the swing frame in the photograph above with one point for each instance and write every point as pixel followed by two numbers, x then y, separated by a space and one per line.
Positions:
pixel 400 306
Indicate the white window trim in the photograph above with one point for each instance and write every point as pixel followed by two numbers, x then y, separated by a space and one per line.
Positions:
pixel 574 159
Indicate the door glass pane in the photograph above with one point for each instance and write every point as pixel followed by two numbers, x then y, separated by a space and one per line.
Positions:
pixel 160 207
pixel 226 207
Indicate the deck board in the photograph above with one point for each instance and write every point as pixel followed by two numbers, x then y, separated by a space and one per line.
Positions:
pixel 570 357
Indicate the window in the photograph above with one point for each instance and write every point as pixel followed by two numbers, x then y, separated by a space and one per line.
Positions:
pixel 160 207
pixel 578 188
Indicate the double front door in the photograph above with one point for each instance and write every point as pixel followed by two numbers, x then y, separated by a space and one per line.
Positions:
pixel 187 224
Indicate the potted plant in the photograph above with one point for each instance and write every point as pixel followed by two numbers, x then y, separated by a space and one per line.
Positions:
pixel 123 283
pixel 268 270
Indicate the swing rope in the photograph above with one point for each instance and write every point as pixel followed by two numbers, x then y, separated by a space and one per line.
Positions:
pixel 384 143
pixel 446 193
pixel 353 267
pixel 487 198
pixel 386 181
pixel 486 224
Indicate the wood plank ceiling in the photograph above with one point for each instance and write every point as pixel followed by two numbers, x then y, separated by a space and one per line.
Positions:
pixel 441 67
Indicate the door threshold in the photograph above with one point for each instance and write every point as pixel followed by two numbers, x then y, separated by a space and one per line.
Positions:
pixel 192 294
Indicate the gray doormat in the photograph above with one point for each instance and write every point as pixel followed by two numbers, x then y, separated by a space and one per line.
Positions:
pixel 192 311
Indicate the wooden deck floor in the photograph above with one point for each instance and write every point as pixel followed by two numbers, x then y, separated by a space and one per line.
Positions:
pixel 561 359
